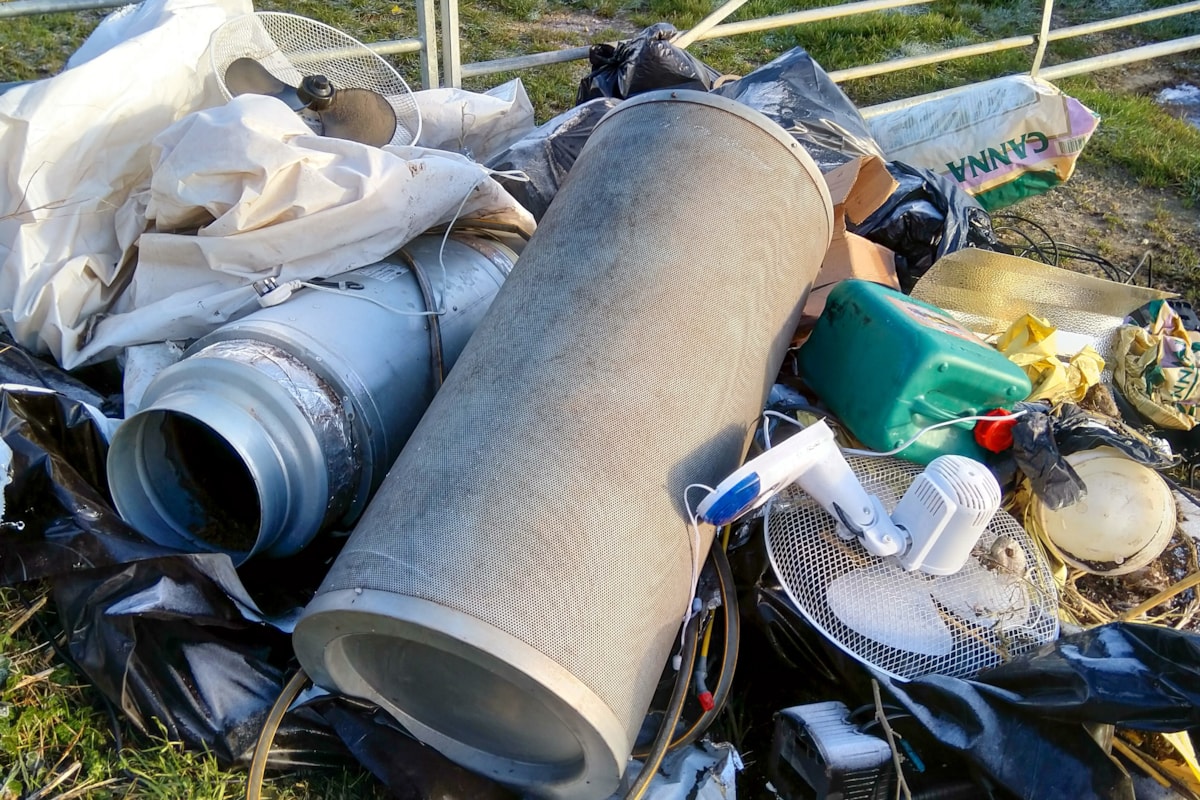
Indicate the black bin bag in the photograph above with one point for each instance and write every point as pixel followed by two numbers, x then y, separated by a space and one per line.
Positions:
pixel 926 217
pixel 642 64
pixel 794 91
pixel 546 154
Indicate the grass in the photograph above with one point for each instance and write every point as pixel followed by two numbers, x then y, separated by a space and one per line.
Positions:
pixel 1157 149
pixel 55 735
pixel 57 740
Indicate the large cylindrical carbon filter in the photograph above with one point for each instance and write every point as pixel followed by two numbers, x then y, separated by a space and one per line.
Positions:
pixel 512 593
pixel 285 421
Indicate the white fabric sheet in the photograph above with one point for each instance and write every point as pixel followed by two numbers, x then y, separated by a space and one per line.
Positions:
pixel 136 206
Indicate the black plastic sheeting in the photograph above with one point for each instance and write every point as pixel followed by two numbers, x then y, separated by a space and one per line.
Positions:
pixel 181 645
pixel 926 217
pixel 58 517
pixel 794 91
pixel 1020 723
pixel 546 154
pixel 166 642
pixel 409 769
pixel 648 61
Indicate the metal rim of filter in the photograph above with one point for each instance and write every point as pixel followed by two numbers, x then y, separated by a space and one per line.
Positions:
pixel 575 747
pixel 254 420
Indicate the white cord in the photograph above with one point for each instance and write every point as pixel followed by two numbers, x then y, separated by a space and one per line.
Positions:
pixel 358 295
pixel 695 548
pixel 515 174
pixel 923 431
pixel 767 428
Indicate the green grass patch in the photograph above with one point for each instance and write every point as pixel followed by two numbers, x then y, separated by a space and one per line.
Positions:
pixel 56 738
pixel 1157 149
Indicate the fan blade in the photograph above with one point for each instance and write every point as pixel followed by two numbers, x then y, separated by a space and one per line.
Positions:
pixel 985 597
pixel 247 76
pixel 359 115
pixel 892 607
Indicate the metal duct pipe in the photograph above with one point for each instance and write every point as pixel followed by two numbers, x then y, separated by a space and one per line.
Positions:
pixel 284 422
pixel 512 592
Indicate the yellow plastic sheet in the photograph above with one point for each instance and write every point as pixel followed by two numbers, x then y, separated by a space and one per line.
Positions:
pixel 1032 344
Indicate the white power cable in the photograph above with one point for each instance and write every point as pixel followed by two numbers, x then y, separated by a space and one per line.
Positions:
pixel 898 448
pixel 934 426
pixel 695 548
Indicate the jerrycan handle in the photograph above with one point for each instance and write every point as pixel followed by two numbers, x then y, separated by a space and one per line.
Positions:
pixel 925 408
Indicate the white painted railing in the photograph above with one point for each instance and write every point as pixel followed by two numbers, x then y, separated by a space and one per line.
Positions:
pixel 426 43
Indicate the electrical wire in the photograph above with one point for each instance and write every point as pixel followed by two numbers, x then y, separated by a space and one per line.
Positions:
pixel 729 655
pixel 694 544
pixel 266 736
pixel 943 424
pixel 658 751
pixel 1055 253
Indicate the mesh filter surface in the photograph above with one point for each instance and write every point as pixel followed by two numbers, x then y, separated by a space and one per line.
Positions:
pixel 292 47
pixel 627 356
pixel 1001 604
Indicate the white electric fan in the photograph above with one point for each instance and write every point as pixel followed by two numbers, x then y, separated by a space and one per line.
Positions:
pixel 910 571
pixel 337 84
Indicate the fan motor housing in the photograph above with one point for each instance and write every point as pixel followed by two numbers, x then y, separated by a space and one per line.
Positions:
pixel 512 593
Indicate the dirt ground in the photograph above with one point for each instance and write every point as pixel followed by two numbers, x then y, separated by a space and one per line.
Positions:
pixel 1102 209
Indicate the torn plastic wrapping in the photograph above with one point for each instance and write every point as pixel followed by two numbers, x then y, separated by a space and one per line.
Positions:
pixel 546 154
pixel 168 646
pixel 926 217
pixel 58 518
pixel 1020 722
pixel 646 62
pixel 794 91
pixel 1036 454
pixel 1028 755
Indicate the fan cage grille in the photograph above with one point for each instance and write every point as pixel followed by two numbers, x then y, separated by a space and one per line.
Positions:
pixel 292 47
pixel 1016 611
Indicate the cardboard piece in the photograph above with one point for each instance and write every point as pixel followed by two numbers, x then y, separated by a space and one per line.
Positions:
pixel 856 188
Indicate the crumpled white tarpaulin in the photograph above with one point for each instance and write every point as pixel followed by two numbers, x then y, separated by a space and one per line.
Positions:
pixel 76 146
pixel 133 223
pixel 476 125
pixel 276 200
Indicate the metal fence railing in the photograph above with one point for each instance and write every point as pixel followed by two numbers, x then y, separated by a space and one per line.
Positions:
pixel 453 71
pixel 714 26
pixel 424 43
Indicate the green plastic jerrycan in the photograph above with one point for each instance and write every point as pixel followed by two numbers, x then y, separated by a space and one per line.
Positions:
pixel 889 365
